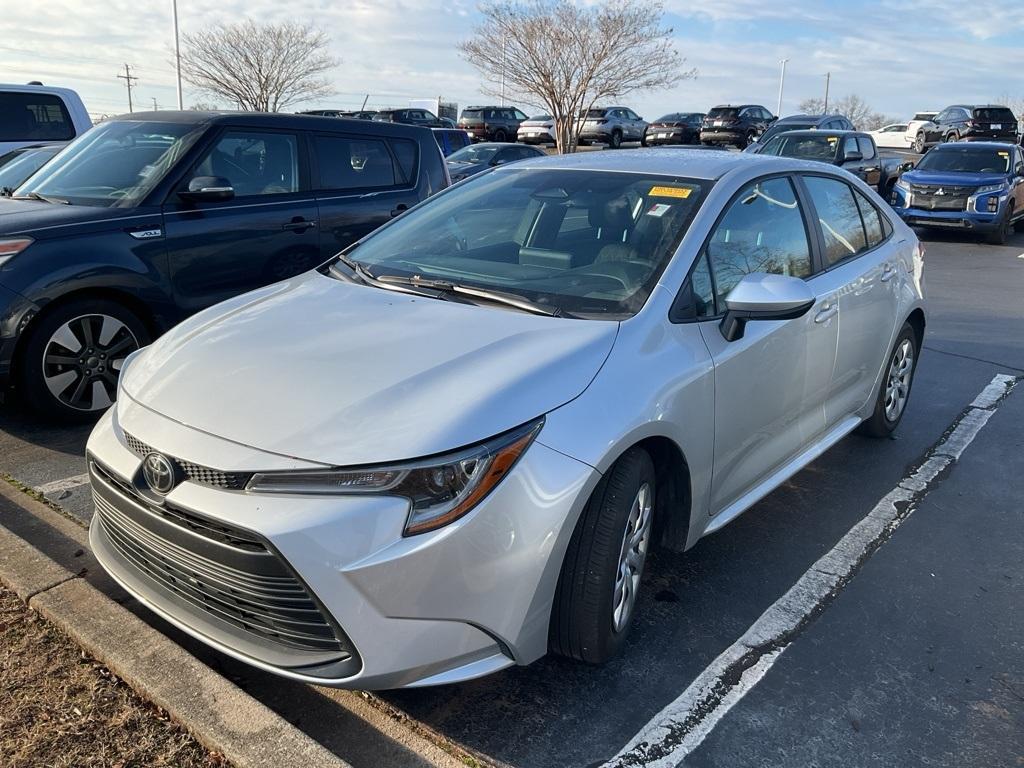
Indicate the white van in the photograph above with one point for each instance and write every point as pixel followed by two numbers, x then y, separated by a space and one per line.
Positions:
pixel 38 114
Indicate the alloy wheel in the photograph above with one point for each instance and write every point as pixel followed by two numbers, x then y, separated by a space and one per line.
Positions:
pixel 897 387
pixel 82 360
pixel 632 556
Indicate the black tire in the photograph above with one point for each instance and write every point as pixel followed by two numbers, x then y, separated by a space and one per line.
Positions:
pixel 747 141
pixel 920 147
pixel 500 136
pixel 583 623
pixel 84 318
pixel 881 423
pixel 616 140
pixel 951 137
pixel 643 140
pixel 1001 234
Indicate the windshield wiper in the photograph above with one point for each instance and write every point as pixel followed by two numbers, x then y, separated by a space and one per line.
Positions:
pixel 498 297
pixel 43 198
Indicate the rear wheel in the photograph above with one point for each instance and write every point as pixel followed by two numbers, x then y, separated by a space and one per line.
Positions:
pixel 69 366
pixel 598 586
pixel 500 136
pixel 616 140
pixel 894 393
pixel 919 143
pixel 951 137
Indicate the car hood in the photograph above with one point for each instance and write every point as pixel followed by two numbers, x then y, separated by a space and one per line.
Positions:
pixel 953 179
pixel 27 216
pixel 328 371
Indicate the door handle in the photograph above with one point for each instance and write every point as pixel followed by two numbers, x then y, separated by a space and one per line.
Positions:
pixel 888 272
pixel 298 225
pixel 399 209
pixel 826 311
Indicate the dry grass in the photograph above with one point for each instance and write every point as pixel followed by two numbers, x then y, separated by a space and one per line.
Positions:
pixel 59 708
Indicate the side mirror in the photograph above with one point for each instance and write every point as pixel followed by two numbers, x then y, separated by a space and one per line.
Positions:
pixel 852 157
pixel 760 296
pixel 208 188
pixel 907 166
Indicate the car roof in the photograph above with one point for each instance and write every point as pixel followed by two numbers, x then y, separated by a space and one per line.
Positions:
pixel 701 164
pixel 949 146
pixel 9 87
pixel 272 120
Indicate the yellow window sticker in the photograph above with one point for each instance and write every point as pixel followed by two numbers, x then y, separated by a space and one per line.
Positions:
pixel 1003 154
pixel 682 192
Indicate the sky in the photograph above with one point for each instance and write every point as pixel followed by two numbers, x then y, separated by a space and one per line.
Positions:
pixel 901 56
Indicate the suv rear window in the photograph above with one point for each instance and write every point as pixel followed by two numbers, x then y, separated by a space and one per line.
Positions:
pixel 469 114
pixel 724 112
pixel 994 115
pixel 34 117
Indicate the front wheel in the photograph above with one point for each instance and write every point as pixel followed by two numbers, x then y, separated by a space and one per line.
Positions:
pixel 73 356
pixel 1001 233
pixel 604 563
pixel 894 393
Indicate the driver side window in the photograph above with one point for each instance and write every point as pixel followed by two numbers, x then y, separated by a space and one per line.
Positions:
pixel 254 163
pixel 762 231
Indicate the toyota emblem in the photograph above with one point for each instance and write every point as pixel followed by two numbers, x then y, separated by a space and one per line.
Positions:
pixel 159 473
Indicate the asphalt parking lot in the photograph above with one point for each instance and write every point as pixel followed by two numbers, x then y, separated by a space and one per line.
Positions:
pixel 917 660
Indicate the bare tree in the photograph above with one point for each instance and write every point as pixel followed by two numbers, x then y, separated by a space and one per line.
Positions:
pixel 565 57
pixel 853 107
pixel 258 67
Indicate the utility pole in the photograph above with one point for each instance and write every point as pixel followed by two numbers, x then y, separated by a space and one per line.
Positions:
pixel 155 107
pixel 782 83
pixel 177 51
pixel 828 80
pixel 503 70
pixel 128 77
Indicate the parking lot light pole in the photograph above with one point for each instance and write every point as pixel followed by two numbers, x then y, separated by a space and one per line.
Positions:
pixel 828 80
pixel 177 51
pixel 782 83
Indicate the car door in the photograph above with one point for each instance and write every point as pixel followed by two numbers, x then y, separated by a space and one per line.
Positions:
pixel 361 182
pixel 871 163
pixel 266 231
pixel 861 265
pixel 771 384
pixel 933 131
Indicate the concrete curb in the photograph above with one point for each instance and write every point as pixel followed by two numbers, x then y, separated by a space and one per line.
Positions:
pixel 221 716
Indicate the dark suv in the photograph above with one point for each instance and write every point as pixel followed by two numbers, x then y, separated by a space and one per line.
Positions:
pixel 150 217
pixel 423 117
pixel 803 123
pixel 969 123
pixel 739 125
pixel 491 123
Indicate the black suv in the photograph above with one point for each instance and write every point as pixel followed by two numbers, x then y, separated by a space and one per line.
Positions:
pixel 739 125
pixel 803 123
pixel 969 123
pixel 150 217
pixel 491 123
pixel 423 117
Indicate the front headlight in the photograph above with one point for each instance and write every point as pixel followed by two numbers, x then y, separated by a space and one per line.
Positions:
pixel 990 188
pixel 902 185
pixel 12 246
pixel 440 490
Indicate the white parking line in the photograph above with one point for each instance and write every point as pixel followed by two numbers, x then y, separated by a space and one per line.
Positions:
pixel 682 725
pixel 62 485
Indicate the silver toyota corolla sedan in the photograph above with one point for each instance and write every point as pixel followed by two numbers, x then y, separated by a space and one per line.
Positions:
pixel 450 449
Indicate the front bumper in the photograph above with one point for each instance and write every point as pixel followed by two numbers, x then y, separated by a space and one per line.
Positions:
pixel 920 217
pixel 449 605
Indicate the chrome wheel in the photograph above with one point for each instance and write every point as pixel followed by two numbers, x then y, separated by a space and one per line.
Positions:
pixel 632 556
pixel 897 386
pixel 82 359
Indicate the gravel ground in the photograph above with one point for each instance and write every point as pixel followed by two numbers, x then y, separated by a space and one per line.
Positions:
pixel 61 708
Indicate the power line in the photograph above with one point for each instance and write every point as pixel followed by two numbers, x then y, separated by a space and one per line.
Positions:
pixel 128 77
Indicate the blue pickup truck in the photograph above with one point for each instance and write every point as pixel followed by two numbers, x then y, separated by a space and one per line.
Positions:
pixel 977 186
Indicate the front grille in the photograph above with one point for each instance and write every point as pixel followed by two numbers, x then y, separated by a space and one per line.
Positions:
pixel 250 590
pixel 231 481
pixel 953 197
pixel 949 189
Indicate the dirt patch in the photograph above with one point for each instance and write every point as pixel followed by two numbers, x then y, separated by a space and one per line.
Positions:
pixel 60 708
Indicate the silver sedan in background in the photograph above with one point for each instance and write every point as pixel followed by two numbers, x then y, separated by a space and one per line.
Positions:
pixel 451 449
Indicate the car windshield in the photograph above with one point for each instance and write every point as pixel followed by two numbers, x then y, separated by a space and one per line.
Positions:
pixel 17 166
pixel 471 113
pixel 995 114
pixel 966 159
pixel 474 154
pixel 821 147
pixel 587 243
pixel 115 164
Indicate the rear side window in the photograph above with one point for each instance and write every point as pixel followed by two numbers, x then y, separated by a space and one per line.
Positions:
pixel 34 117
pixel 763 231
pixel 839 217
pixel 354 163
pixel 406 152
pixel 872 220
pixel 867 148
